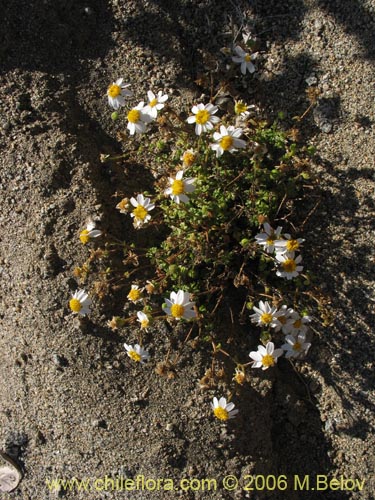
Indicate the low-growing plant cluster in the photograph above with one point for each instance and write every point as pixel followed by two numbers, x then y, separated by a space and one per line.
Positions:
pixel 202 234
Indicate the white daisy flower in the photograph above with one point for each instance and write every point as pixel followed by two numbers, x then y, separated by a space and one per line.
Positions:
pixel 138 119
pixel 155 103
pixel 285 314
pixel 268 237
pixel 142 207
pixel 137 353
pixel 135 294
pixel 179 188
pixel 288 244
pixel 240 108
pixel 90 232
pixel 265 315
pixel 296 347
pixel 188 158
pixel 80 303
pixel 296 324
pixel 117 92
pixel 223 410
pixel 227 140
pixel 245 59
pixel 143 319
pixel 203 117
pixel 179 306
pixel 265 357
pixel 288 265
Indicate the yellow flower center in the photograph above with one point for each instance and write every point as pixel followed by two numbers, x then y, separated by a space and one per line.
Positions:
pixel 188 158
pixel 282 319
pixel 226 142
pixel 297 324
pixel 134 294
pixel 177 187
pixel 75 305
pixel 134 115
pixel 248 58
pixel 153 103
pixel 292 245
pixel 266 318
pixel 202 116
pixel 114 90
pixel 270 240
pixel 144 323
pixel 289 265
pixel 177 310
pixel 297 346
pixel 140 212
pixel 221 413
pixel 134 356
pixel 84 237
pixel 268 360
pixel 240 107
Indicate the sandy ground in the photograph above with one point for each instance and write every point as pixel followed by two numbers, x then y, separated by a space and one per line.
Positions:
pixel 72 405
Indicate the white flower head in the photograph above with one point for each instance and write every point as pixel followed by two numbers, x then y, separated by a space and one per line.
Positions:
pixel 245 59
pixel 285 313
pixel 138 119
pixel 143 319
pixel 223 410
pixel 265 315
pixel 141 211
pixel 135 294
pixel 90 232
pixel 117 92
pixel 155 103
pixel 242 109
pixel 296 347
pixel 137 353
pixel 288 265
pixel 288 244
pixel 80 303
pixel 203 117
pixel 267 238
pixel 265 357
pixel 179 187
pixel 228 140
pixel 179 306
pixel 296 324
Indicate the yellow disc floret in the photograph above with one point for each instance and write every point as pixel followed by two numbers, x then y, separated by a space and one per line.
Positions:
pixel 144 323
pixel 297 346
pixel 202 116
pixel 114 90
pixel 75 305
pixel 268 360
pixel 134 116
pixel 289 265
pixel 248 58
pixel 221 413
pixel 177 187
pixel 134 294
pixel 292 245
pixel 297 323
pixel 266 318
pixel 177 310
pixel 226 142
pixel 140 212
pixel 134 356
pixel 84 236
pixel 153 103
pixel 240 107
